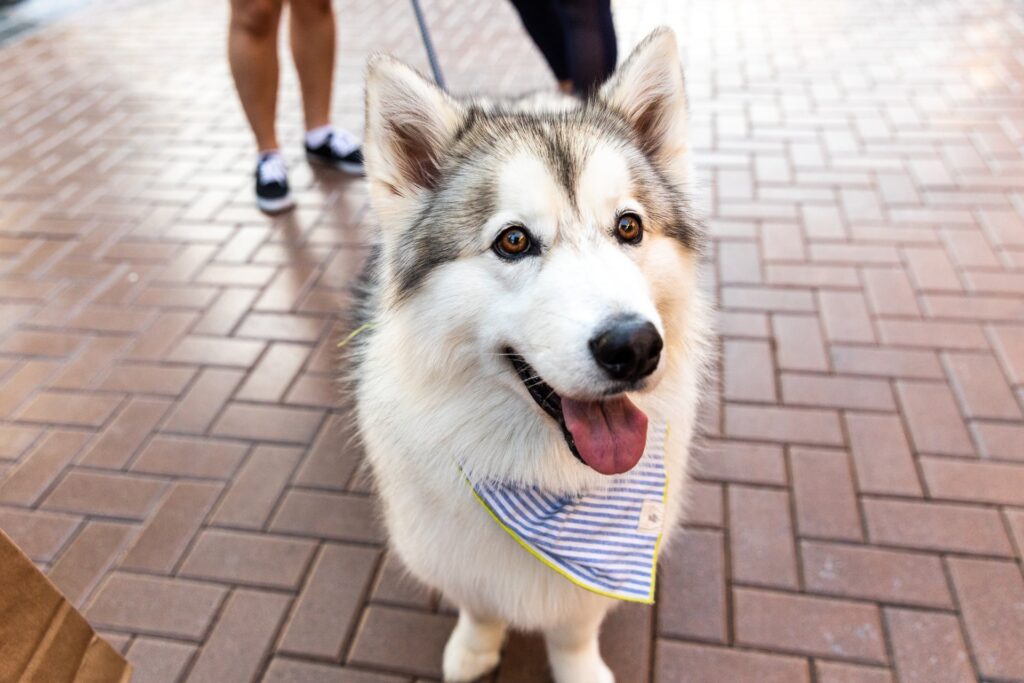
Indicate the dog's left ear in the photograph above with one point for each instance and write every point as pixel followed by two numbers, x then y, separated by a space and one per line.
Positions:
pixel 649 91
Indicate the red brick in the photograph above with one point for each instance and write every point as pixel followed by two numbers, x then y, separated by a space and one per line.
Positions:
pixel 268 423
pixel 969 249
pixel 872 574
pixel 999 440
pixel 703 504
pixel 845 317
pixel 157 661
pixel 799 344
pixel 991 595
pixel 732 324
pixel 295 671
pixel 881 455
pixel 38 470
pixel 931 269
pixel 14 439
pixel 811 275
pixel 981 482
pixel 333 457
pixel 241 638
pixel 928 647
pixel 401 640
pixel 935 423
pixel 761 537
pixel 395 586
pixel 1004 226
pixel 125 434
pixel 625 642
pixel 782 242
pixel 1016 520
pixel 223 316
pixel 738 461
pixel 995 283
pixel 826 505
pixel 161 335
pixel 808 625
pixel 973 307
pixel 889 292
pixel 189 457
pixel 775 299
pixel 749 374
pixel 140 378
pixel 692 663
pixel 329 605
pixel 111 495
pixel 257 487
pixel 832 672
pixel 932 334
pixel 170 529
pixel 770 423
pixel 156 606
pixel 883 362
pixel 75 410
pixel 692 589
pixel 936 526
pixel 274 373
pixel 823 222
pixel 981 387
pixel 854 254
pixel 738 262
pixel 318 391
pixel 216 351
pixel 342 517
pixel 87 559
pixel 289 285
pixel 836 392
pixel 1008 341
pixel 40 535
pixel 253 559
pixel 201 405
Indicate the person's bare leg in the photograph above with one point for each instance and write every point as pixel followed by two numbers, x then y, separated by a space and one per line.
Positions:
pixel 252 53
pixel 312 38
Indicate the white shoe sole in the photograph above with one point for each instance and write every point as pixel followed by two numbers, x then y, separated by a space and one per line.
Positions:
pixel 346 166
pixel 275 205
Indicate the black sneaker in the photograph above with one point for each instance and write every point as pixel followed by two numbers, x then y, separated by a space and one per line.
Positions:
pixel 272 194
pixel 340 150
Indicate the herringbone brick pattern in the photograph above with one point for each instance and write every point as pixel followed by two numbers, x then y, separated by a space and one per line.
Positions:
pixel 174 454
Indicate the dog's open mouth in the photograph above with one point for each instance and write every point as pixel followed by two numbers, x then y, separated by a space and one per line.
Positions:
pixel 608 435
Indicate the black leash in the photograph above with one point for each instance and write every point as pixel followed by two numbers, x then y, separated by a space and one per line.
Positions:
pixel 435 66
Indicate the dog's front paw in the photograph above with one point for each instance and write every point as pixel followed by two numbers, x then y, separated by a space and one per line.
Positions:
pixel 461 664
pixel 473 649
pixel 580 667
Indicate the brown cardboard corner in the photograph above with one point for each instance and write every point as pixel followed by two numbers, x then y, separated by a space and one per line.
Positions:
pixel 43 638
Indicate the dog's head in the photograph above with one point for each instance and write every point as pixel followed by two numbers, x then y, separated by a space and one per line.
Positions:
pixel 545 241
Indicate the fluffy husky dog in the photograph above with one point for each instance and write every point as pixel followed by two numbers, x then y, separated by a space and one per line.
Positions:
pixel 532 303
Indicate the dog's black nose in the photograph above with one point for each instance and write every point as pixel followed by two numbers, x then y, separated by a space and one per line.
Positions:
pixel 628 348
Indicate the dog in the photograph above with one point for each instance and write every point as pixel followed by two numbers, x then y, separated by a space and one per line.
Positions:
pixel 528 320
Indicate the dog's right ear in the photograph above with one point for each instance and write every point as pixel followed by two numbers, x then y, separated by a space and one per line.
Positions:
pixel 409 122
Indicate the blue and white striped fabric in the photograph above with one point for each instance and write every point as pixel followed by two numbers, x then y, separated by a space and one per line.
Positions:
pixel 606 542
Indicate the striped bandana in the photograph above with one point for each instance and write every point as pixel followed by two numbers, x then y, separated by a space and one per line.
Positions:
pixel 606 542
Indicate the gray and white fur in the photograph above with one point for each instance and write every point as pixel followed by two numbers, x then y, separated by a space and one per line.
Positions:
pixel 432 380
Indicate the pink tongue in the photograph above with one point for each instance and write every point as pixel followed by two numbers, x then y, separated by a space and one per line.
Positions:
pixel 610 435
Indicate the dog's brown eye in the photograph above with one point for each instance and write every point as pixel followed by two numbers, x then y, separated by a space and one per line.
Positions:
pixel 513 242
pixel 629 229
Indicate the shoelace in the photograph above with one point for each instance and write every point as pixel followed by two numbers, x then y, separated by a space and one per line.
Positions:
pixel 272 169
pixel 342 142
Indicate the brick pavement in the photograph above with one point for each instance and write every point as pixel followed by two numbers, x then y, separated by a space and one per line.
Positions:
pixel 173 454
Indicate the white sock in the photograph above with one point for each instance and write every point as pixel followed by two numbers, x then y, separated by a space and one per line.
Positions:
pixel 267 153
pixel 319 135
